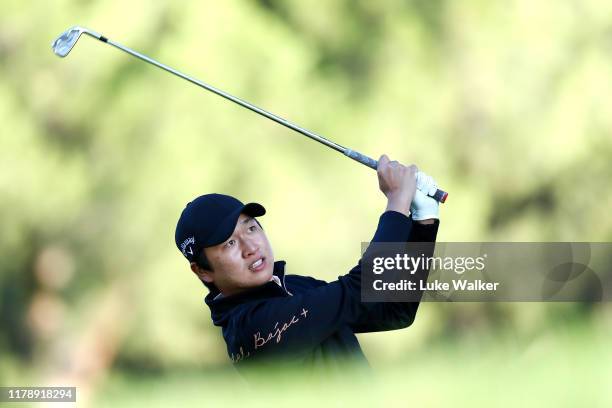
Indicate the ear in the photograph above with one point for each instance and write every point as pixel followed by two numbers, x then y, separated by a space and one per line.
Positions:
pixel 204 274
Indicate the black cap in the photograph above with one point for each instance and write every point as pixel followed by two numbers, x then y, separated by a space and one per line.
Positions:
pixel 209 220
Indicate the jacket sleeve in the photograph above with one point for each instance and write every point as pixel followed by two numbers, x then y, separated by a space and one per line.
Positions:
pixel 398 315
pixel 300 322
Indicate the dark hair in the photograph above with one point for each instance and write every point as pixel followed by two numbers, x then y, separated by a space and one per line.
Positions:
pixel 202 261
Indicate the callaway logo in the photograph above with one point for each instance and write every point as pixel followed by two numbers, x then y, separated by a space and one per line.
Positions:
pixel 184 249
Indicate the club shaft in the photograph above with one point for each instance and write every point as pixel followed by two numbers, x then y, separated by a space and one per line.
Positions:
pixel 439 194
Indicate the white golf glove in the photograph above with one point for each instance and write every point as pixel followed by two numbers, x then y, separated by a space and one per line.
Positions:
pixel 424 207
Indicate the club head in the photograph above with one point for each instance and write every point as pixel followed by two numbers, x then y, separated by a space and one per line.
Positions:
pixel 65 41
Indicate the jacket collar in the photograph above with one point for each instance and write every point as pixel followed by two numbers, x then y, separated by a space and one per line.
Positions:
pixel 221 306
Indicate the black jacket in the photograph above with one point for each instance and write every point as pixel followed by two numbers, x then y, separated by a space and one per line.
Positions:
pixel 308 321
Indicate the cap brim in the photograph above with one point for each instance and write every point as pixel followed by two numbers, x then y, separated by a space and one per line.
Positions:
pixel 226 227
pixel 253 210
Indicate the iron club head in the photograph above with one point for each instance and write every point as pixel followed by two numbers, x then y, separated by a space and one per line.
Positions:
pixel 64 43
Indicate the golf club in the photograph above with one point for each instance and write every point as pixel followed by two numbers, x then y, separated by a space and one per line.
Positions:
pixel 66 41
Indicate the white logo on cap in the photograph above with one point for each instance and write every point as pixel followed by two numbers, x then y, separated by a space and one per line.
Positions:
pixel 185 249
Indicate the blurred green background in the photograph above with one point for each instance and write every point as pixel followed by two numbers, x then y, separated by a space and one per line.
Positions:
pixel 508 104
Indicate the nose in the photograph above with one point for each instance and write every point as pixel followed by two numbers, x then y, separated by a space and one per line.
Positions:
pixel 249 247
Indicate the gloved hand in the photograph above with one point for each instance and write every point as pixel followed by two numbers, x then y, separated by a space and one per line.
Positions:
pixel 424 207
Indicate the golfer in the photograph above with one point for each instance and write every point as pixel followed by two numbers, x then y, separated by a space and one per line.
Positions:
pixel 268 316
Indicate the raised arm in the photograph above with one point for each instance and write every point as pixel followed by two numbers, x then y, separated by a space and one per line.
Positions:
pixel 398 315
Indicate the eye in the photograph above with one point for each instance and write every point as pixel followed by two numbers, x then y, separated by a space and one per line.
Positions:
pixel 230 243
pixel 253 228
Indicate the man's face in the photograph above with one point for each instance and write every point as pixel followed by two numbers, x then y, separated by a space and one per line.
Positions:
pixel 243 261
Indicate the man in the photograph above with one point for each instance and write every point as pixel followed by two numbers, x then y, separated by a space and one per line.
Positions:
pixel 266 315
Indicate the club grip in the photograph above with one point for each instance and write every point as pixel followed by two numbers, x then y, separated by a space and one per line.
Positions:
pixel 439 195
pixel 361 158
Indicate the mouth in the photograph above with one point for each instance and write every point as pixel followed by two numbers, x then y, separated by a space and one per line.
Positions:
pixel 258 265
